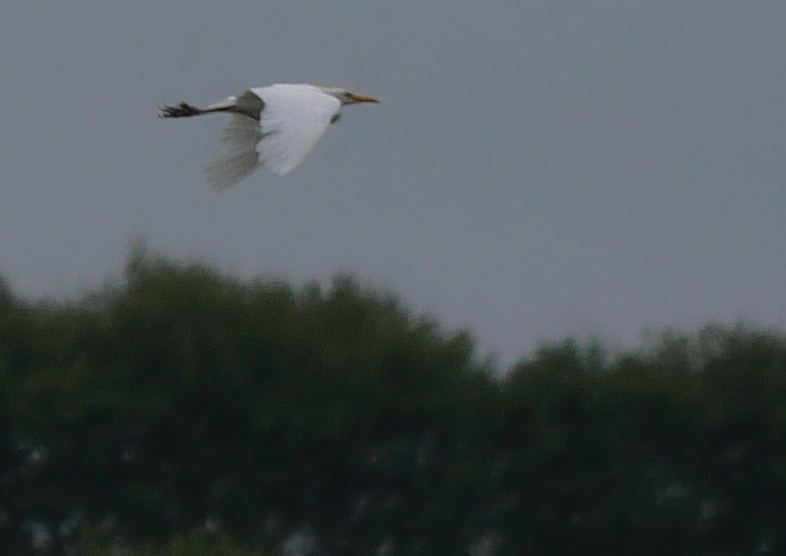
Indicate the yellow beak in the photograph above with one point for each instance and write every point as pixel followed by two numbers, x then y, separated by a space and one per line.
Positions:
pixel 362 98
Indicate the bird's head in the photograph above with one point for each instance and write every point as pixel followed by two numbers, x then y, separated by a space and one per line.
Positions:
pixel 347 97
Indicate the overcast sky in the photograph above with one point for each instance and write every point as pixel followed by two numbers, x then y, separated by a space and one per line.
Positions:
pixel 536 168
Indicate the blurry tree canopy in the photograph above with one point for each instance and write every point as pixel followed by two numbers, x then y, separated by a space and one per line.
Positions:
pixel 333 420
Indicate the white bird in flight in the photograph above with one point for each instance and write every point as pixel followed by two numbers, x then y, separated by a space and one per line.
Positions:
pixel 275 127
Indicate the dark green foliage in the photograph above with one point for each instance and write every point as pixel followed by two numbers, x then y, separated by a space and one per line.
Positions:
pixel 183 399
pixel 190 543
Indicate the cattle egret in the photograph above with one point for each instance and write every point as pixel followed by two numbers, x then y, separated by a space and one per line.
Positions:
pixel 275 127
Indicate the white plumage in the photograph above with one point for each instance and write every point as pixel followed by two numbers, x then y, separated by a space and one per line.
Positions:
pixel 275 127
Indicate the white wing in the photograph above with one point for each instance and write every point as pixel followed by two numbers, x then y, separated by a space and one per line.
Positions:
pixel 291 119
pixel 295 117
pixel 241 136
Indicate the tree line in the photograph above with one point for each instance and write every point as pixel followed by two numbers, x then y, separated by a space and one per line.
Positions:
pixel 183 403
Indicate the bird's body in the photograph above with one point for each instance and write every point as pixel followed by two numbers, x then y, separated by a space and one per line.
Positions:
pixel 275 127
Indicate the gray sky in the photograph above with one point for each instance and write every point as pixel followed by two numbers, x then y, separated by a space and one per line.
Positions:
pixel 536 168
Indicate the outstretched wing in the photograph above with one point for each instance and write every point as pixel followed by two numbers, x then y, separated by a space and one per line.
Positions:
pixel 294 119
pixel 275 127
pixel 241 137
